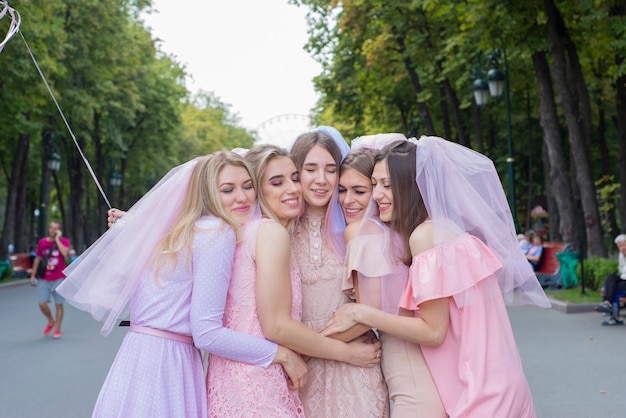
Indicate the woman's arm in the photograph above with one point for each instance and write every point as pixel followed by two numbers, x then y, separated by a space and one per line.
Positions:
pixel 273 297
pixel 353 333
pixel 429 329
pixel 213 252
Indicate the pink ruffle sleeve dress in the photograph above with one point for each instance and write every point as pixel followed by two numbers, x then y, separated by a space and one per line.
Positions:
pixel 382 278
pixel 477 369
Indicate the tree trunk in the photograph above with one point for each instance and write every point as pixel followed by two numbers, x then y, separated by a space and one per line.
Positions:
pixel 417 87
pixel 576 136
pixel 24 237
pixel 77 195
pixel 557 180
pixel 621 135
pixel 580 87
pixel 9 230
pixel 554 219
pixel 101 205
pixel 620 10
pixel 456 113
pixel 445 114
pixel 606 167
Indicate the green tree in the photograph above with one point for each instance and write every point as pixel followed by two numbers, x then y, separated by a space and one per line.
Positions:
pixel 386 63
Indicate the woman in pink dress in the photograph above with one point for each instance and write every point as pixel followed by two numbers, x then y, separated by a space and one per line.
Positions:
pixel 173 265
pixel 264 299
pixel 333 389
pixel 458 238
pixel 378 277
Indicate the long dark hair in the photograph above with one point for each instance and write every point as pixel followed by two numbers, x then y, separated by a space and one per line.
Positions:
pixel 409 210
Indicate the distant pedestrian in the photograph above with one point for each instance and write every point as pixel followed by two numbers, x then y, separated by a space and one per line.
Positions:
pixel 51 250
pixel 525 241
pixel 613 283
pixel 534 255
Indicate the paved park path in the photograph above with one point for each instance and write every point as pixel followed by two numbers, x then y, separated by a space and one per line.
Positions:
pixel 575 367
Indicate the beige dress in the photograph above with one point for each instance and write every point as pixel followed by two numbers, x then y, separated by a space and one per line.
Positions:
pixel 333 389
pixel 382 281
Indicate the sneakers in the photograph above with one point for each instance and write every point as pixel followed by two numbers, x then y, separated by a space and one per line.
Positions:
pixel 57 334
pixel 612 321
pixel 48 328
pixel 603 307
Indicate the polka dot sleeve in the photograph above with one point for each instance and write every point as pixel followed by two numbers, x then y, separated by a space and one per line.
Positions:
pixel 213 253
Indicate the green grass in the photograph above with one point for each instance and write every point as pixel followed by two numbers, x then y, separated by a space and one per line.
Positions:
pixel 11 279
pixel 574 295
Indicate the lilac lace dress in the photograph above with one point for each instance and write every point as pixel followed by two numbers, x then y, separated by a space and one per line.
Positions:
pixel 333 389
pixel 160 377
pixel 238 389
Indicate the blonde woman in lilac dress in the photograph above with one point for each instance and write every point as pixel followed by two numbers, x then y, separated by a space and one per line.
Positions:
pixel 333 389
pixel 173 267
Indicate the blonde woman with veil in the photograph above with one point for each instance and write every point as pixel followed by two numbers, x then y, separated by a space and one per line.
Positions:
pixel 168 261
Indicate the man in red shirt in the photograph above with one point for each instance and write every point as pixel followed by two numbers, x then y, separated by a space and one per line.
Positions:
pixel 53 250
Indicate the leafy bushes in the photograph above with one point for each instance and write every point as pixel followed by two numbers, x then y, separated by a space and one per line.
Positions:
pixel 596 270
pixel 6 270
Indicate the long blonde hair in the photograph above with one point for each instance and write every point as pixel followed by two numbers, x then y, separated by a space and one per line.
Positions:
pixel 201 199
pixel 259 157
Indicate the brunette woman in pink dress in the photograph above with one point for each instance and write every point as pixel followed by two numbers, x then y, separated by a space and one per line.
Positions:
pixel 264 299
pixel 333 389
pixel 378 277
pixel 170 258
pixel 458 238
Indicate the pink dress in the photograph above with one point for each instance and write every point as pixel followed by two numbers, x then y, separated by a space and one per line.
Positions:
pixel 477 369
pixel 382 278
pixel 333 389
pixel 159 377
pixel 237 389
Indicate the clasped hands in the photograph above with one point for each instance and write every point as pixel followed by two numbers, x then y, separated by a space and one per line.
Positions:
pixel 366 350
pixel 341 320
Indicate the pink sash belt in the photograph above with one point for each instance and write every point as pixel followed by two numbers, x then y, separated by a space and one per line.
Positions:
pixel 161 333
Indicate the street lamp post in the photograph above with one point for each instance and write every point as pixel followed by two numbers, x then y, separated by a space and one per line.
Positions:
pixel 115 178
pixel 496 85
pixel 51 161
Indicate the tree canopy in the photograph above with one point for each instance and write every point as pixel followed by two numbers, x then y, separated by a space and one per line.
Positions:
pixel 125 101
pixel 409 66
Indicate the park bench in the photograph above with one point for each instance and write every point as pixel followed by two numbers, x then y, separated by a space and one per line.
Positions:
pixel 549 273
pixel 22 264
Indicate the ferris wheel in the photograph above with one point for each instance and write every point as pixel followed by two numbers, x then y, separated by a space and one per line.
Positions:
pixel 282 130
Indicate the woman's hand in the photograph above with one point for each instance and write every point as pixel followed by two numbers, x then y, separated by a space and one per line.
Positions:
pixel 364 351
pixel 294 366
pixel 342 319
pixel 114 215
